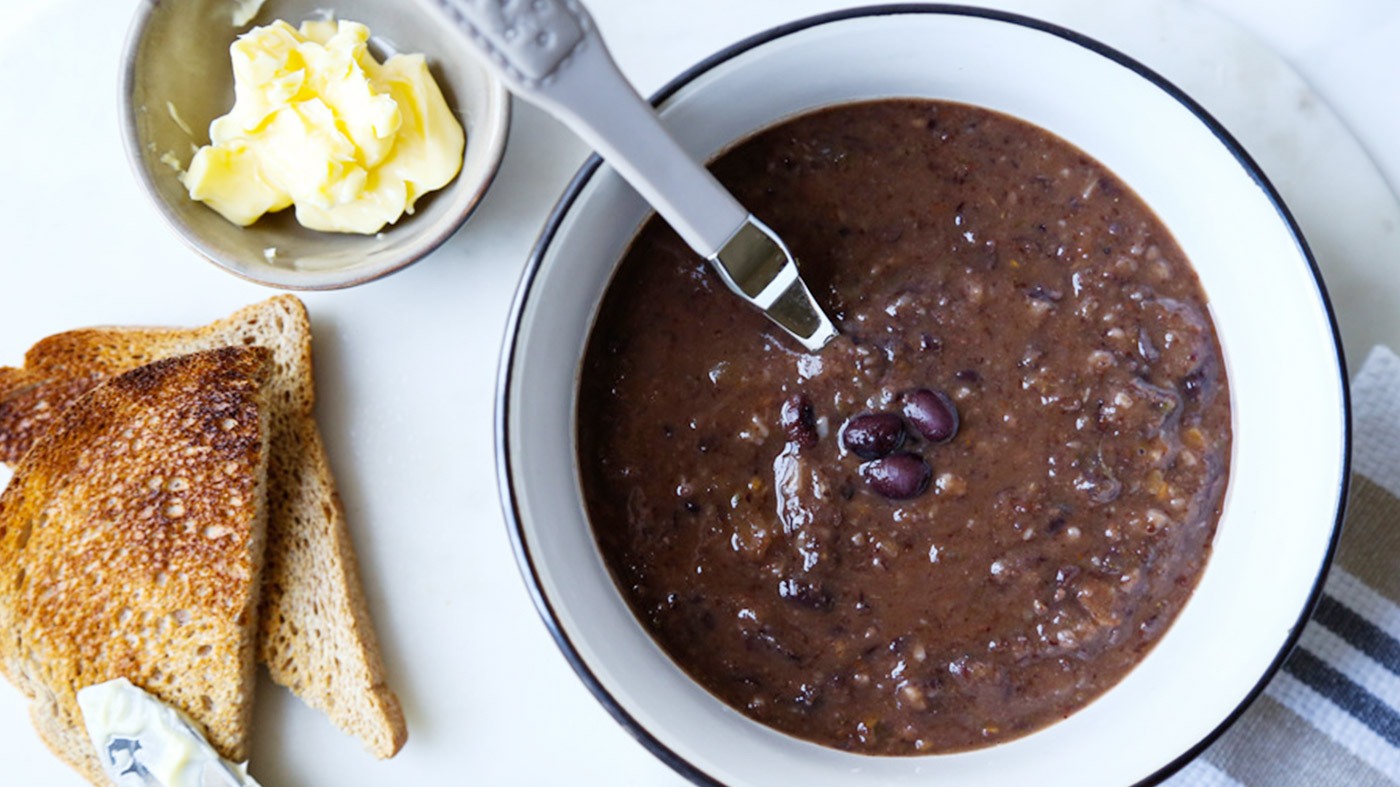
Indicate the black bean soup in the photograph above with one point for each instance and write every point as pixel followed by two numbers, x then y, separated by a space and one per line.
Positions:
pixel 976 509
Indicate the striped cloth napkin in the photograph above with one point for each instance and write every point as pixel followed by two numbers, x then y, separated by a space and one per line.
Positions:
pixel 1332 714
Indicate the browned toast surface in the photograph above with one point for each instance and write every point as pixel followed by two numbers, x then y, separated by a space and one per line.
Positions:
pixel 131 541
pixel 316 634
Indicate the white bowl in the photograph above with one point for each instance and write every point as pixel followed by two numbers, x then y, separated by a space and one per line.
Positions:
pixel 177 55
pixel 1290 460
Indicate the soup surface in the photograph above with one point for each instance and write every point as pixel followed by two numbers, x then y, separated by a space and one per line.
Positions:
pixel 800 533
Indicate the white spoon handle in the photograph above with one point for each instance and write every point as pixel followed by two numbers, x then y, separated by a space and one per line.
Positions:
pixel 549 53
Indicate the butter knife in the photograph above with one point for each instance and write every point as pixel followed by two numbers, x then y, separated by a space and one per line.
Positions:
pixel 142 742
pixel 124 760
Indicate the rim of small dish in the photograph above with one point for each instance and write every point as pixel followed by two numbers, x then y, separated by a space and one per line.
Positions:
pixel 506 483
pixel 499 108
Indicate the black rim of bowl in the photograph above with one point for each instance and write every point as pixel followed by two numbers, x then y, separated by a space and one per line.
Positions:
pixel 525 560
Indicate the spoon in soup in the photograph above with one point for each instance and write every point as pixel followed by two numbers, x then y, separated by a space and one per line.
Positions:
pixel 549 52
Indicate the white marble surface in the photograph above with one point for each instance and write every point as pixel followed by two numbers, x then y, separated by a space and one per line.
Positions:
pixel 406 365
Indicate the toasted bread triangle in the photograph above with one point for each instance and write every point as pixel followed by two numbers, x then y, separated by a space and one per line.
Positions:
pixel 316 636
pixel 131 543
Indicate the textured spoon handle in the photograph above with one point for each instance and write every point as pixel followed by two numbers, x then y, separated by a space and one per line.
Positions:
pixel 527 39
pixel 549 53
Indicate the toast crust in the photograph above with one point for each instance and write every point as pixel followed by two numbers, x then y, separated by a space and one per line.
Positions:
pixel 131 545
pixel 316 634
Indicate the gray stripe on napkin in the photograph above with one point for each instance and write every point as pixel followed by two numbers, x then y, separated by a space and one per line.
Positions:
pixel 1370 546
pixel 1270 745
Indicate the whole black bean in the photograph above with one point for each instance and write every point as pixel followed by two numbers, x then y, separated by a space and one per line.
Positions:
pixel 932 413
pixel 1194 385
pixel 872 435
pixel 897 476
pixel 798 420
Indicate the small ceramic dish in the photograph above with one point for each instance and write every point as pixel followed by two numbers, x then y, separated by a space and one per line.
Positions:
pixel 1288 472
pixel 177 77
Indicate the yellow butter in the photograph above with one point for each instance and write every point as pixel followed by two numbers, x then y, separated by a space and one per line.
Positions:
pixel 318 123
